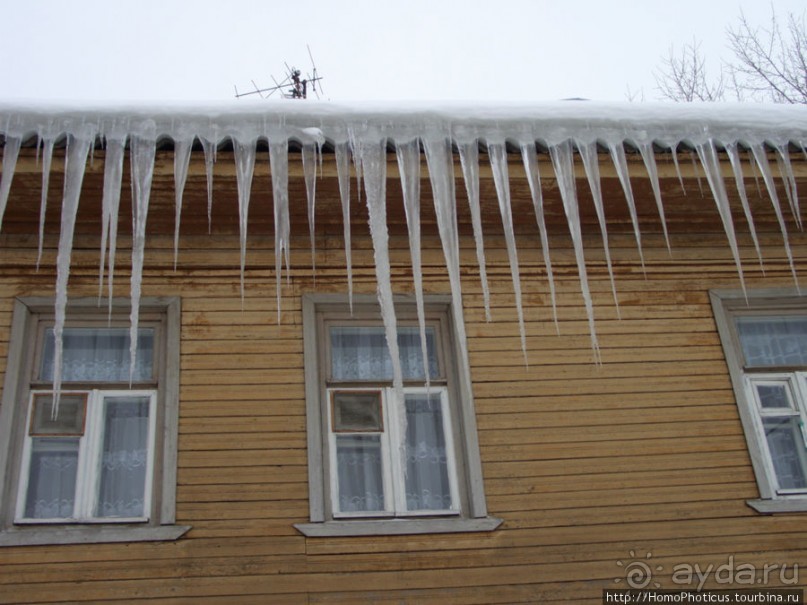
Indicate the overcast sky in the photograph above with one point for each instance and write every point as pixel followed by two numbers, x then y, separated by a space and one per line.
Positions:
pixel 520 50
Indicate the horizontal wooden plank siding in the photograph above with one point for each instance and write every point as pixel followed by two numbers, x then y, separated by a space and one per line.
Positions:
pixel 591 466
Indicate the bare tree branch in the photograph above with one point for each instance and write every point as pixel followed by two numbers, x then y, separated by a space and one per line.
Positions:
pixel 683 77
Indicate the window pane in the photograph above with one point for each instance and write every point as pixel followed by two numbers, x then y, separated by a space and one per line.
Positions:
pixel 787 451
pixel 773 341
pixel 357 411
pixel 124 457
pixel 69 418
pixel 360 473
pixel 99 354
pixel 773 396
pixel 361 353
pixel 52 478
pixel 427 481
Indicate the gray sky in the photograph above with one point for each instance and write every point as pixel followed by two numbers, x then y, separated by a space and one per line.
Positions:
pixel 520 50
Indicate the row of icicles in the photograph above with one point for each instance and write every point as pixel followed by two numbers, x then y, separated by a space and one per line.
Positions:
pixel 369 158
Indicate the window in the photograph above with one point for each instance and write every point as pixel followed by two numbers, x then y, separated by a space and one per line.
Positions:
pixel 765 341
pixel 98 462
pixel 382 461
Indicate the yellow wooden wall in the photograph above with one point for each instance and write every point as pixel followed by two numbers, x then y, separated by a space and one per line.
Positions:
pixel 588 465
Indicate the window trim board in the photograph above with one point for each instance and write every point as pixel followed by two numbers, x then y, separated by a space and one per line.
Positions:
pixel 723 302
pixel 20 357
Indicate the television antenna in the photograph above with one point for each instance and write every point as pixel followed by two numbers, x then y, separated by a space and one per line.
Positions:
pixel 293 86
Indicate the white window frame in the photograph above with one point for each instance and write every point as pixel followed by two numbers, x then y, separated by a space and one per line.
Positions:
pixel 89 460
pixel 469 496
pixel 728 305
pixel 393 463
pixel 28 317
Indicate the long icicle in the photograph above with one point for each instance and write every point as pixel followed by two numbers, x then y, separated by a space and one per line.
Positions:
pixel 711 164
pixel 342 151
pixel 310 176
pixel 649 158
pixel 737 167
pixel 441 177
pixel 617 151
pixel 761 158
pixel 209 150
pixel 563 163
pixel 143 150
pixel 469 160
pixel 591 164
pixel 674 151
pixel 47 159
pixel 409 167
pixel 113 173
pixel 78 148
pixel 498 162
pixel 373 159
pixel 182 159
pixel 789 181
pixel 279 166
pixel 244 169
pixel 530 159
pixel 11 152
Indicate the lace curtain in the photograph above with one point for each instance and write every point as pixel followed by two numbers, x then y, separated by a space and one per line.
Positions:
pixel 361 353
pixel 787 449
pixel 427 484
pixel 124 457
pixel 99 354
pixel 123 465
pixel 51 490
pixel 773 341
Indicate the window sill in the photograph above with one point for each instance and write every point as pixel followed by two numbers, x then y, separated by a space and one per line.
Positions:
pixel 779 505
pixel 41 535
pixel 391 527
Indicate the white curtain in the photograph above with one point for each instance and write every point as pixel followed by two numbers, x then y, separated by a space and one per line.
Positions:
pixel 361 353
pixel 773 341
pixel 52 478
pixel 426 464
pixel 787 450
pixel 124 457
pixel 99 354
pixel 360 473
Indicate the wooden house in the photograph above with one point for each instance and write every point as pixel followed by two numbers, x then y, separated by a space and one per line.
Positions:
pixel 612 391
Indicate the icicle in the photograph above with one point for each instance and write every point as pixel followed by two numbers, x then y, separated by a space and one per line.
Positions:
pixel 310 174
pixel 761 158
pixel 678 168
pixel 498 162
pixel 373 159
pixel 789 180
pixel 469 159
pixel 737 167
pixel 441 176
pixel 563 163
pixel 113 172
pixel 209 150
pixel 530 159
pixel 279 166
pixel 754 172
pixel 409 168
pixel 182 159
pixel 342 151
pixel 591 163
pixel 10 153
pixel 47 159
pixel 244 169
pixel 142 152
pixel 696 172
pixel 649 158
pixel 78 148
pixel 621 164
pixel 711 165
